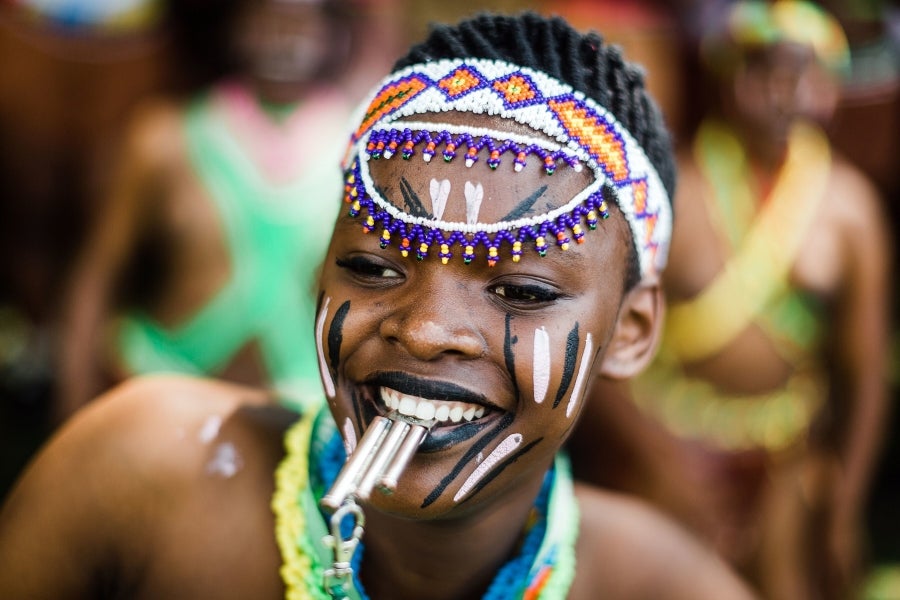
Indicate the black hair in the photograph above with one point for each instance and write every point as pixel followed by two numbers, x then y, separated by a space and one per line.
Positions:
pixel 582 60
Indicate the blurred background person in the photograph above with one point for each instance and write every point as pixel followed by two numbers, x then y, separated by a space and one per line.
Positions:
pixel 204 257
pixel 69 80
pixel 69 74
pixel 761 421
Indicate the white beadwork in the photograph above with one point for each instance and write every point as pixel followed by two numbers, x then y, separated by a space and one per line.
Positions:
pixel 651 226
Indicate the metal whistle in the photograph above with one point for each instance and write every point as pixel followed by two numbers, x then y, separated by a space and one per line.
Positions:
pixel 379 459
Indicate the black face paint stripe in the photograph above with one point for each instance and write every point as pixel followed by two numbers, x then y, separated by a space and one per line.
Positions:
pixel 569 365
pixel 336 335
pixel 499 468
pixel 358 408
pixel 505 422
pixel 508 355
pixel 414 205
pixel 525 206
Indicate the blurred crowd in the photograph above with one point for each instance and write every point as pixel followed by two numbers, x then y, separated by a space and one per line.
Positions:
pixel 151 158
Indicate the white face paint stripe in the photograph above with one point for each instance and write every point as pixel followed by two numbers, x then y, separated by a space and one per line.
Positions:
pixel 349 437
pixel 474 196
pixel 582 371
pixel 323 366
pixel 439 192
pixel 512 441
pixel 541 364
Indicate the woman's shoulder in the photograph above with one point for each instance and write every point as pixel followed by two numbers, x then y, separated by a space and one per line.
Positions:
pixel 159 432
pixel 635 551
pixel 134 470
pixel 154 404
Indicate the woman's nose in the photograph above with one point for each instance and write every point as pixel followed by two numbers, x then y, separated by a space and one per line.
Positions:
pixel 432 326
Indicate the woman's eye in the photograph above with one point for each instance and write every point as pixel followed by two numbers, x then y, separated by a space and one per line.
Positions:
pixel 365 267
pixel 525 293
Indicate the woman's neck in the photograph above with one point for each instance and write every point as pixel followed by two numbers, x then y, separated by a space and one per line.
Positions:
pixel 444 559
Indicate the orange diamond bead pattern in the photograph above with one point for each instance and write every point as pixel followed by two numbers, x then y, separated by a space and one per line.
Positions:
pixel 388 100
pixel 515 89
pixel 640 197
pixel 598 138
pixel 459 82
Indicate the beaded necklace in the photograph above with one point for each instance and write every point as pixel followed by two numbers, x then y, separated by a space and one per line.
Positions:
pixel 543 568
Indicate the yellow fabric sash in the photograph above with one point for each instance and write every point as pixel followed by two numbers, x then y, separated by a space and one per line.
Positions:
pixel 704 325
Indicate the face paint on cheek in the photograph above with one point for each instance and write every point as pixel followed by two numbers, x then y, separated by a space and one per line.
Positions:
pixel 327 380
pixel 470 455
pixel 511 442
pixel 569 365
pixel 509 341
pixel 488 477
pixel 508 452
pixel 358 408
pixel 541 375
pixel 349 437
pixel 582 372
pixel 336 335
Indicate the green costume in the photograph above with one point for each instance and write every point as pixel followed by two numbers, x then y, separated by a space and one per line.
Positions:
pixel 275 243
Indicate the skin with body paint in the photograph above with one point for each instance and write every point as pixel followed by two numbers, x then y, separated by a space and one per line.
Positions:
pixel 501 355
pixel 447 334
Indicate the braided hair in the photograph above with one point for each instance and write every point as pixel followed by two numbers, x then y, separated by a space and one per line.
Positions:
pixel 583 61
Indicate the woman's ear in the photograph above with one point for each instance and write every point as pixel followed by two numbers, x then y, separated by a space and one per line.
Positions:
pixel 636 337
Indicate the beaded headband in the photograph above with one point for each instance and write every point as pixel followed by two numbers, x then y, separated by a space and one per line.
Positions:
pixel 581 133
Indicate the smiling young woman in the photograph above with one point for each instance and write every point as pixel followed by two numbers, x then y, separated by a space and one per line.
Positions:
pixel 500 245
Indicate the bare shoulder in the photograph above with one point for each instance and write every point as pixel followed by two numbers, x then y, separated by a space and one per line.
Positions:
pixel 121 470
pixel 162 428
pixel 154 410
pixel 147 432
pixel 629 550
pixel 859 206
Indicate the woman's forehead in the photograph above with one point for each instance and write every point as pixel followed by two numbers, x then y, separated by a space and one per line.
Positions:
pixel 450 188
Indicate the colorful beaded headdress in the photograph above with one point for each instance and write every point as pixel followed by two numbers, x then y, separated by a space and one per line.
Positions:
pixel 581 133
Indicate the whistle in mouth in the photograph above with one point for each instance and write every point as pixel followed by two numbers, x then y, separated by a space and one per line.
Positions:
pixel 379 459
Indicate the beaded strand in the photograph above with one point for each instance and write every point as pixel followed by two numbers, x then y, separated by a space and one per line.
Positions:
pixel 570 128
pixel 418 237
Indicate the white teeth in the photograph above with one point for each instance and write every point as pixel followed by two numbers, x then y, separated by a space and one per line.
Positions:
pixel 425 410
pixel 389 397
pixel 407 406
pixel 421 408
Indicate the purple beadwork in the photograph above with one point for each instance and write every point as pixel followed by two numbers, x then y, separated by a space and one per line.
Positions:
pixel 413 237
pixel 385 142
